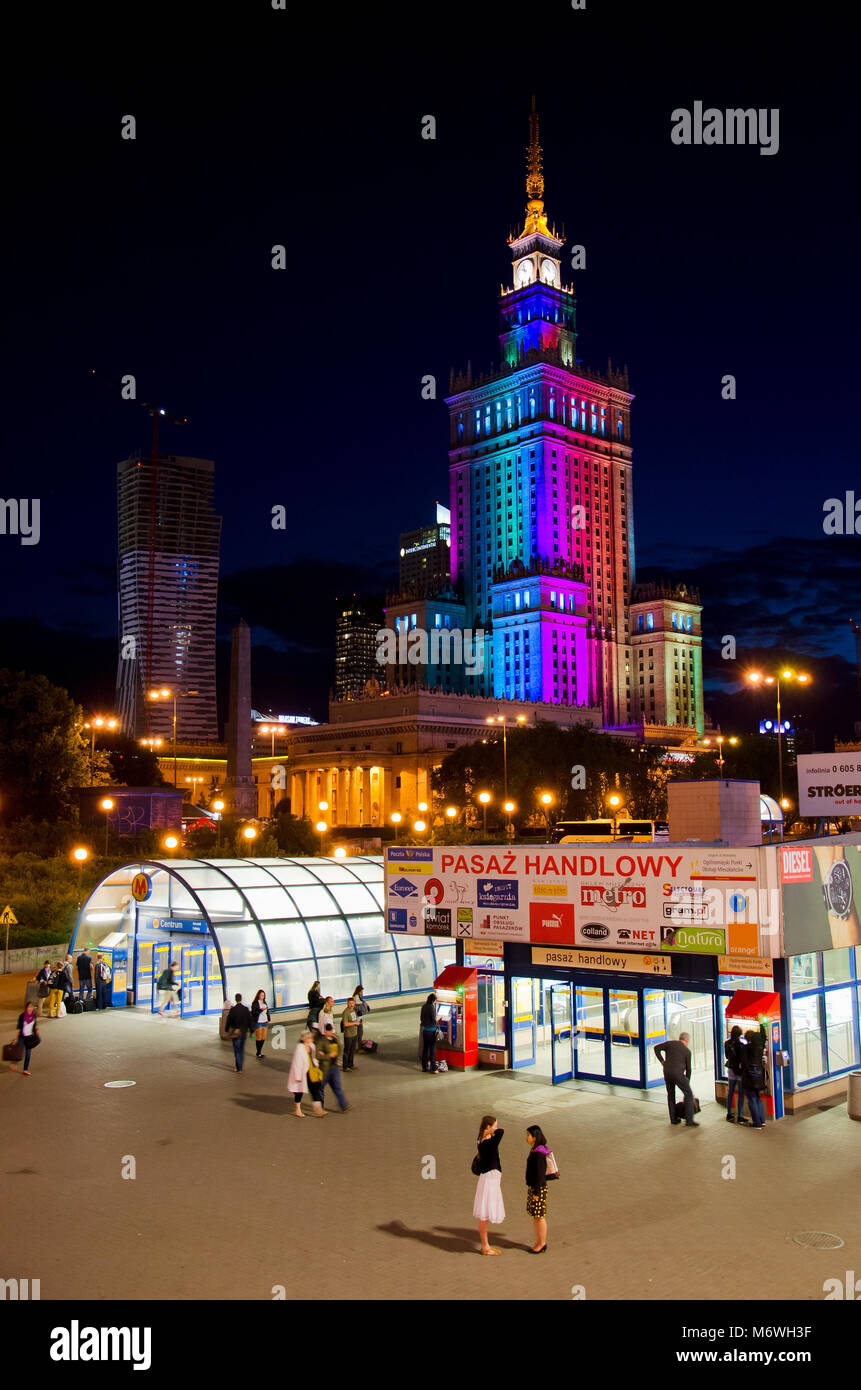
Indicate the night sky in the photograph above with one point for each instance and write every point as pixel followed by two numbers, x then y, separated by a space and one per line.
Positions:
pixel 153 257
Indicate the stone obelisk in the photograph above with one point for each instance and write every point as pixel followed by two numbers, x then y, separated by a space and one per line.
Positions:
pixel 240 791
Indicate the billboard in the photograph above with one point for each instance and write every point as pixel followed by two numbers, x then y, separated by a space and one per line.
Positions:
pixel 631 898
pixel 821 887
pixel 829 784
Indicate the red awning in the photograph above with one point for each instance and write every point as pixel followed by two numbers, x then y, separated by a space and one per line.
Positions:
pixel 454 975
pixel 750 1003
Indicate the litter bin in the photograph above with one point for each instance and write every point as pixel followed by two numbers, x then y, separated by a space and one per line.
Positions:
pixel 32 993
pixel 854 1096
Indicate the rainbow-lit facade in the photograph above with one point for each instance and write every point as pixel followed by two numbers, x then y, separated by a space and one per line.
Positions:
pixel 542 529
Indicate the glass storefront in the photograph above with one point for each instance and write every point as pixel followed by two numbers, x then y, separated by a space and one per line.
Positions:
pixel 825 998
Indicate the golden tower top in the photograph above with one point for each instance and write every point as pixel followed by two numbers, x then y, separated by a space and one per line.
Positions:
pixel 536 220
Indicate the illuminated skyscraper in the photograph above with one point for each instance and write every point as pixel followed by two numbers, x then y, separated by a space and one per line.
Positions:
pixel 168 552
pixel 356 630
pixel 542 529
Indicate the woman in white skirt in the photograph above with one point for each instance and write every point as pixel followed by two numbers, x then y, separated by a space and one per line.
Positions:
pixel 488 1195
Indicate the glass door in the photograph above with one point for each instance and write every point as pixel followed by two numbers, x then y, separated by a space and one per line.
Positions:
pixel 562 1036
pixel 624 1032
pixel 522 1024
pixel 143 973
pixel 590 1036
pixel 192 993
pixel 215 984
pixel 160 962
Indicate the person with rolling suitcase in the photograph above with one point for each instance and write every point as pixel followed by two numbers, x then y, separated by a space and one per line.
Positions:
pixel 28 1034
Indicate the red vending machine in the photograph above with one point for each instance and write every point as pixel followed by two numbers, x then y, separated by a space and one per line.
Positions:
pixel 457 1016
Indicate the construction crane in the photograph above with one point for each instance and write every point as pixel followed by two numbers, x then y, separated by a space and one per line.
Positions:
pixel 158 413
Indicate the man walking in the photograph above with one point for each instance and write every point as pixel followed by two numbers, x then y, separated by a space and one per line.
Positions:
pixel 350 1022
pixel 168 990
pixel 237 1025
pixel 328 1052
pixel 675 1058
pixel 85 974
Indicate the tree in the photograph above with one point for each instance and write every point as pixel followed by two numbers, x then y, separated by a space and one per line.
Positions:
pixel 44 752
pixel 132 765
pixel 294 835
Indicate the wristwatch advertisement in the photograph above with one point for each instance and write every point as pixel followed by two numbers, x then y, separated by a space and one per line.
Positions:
pixel 821 887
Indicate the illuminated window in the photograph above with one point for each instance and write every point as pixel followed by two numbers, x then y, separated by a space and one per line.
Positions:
pixel 650 621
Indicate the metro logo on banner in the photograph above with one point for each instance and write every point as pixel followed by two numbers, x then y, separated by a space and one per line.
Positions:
pixel 552 922
pixel 796 864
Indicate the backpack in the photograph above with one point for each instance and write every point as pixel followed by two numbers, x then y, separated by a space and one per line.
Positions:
pixel 753 1076
pixel 162 981
pixel 734 1053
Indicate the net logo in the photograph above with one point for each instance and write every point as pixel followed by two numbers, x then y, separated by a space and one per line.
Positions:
pixel 796 864
pixel 552 923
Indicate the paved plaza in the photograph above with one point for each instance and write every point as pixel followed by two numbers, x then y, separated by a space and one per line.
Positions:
pixel 234 1196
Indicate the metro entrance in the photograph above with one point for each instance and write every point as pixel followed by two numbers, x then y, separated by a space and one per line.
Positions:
pixel 567 1030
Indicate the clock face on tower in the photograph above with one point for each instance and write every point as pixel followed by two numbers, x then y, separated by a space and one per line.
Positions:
pixel 524 272
pixel 549 273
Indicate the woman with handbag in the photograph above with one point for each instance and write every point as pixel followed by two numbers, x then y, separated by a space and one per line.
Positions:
pixel 315 1004
pixel 305 1073
pixel 539 1166
pixel 429 1039
pixel 28 1033
pixel 488 1204
pixel 361 1007
pixel 260 1017
pixel 57 984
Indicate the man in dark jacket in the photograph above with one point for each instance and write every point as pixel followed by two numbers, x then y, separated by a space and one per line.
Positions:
pixel 238 1019
pixel 328 1055
pixel 675 1058
pixel 103 978
pixel 85 974
pixel 428 1027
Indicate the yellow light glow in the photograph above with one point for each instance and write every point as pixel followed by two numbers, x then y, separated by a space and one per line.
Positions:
pixel 451 812
pixel 218 805
pixel 521 718
pixel 340 852
pixel 754 677
pixel 106 804
pixel 614 800
pixel 786 804
pixel 171 842
pixel 322 805
pixel 508 807
pixel 787 675
pixel 250 833
pixel 546 798
pixel 733 740
pixel 81 854
pixel 484 797
pixel 423 805
pixel 321 826
pixel 396 817
pixel 419 826
pixel 490 719
pixel 802 679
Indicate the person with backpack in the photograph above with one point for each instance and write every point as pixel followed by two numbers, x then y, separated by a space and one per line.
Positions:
pixel 260 1017
pixel 350 1029
pixel 753 1074
pixel 58 984
pixel 237 1025
pixel 103 976
pixel 168 990
pixel 536 1185
pixel 488 1205
pixel 733 1048
pixel 85 975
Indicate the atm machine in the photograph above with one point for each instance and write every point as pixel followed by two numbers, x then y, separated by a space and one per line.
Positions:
pixel 457 1016
pixel 748 1008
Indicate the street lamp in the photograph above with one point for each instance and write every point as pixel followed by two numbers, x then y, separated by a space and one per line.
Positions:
pixel 339 852
pixel 97 722
pixel 546 801
pixel 249 833
pixel 451 812
pixel 193 780
pixel 757 678
pixel 503 720
pixel 423 805
pixel 614 801
pixel 273 729
pixel 107 806
pixel 80 854
pixel 420 826
pixel 170 843
pixel 321 827
pixel 720 740
pixel 218 807
pixel 508 807
pixel 166 694
pixel 484 798
pixel 152 742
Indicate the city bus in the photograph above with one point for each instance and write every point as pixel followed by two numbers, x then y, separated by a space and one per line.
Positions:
pixel 603 831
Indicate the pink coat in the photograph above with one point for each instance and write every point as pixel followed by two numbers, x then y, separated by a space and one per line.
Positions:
pixel 298 1079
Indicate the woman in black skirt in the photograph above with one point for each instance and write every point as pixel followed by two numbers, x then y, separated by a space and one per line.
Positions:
pixel 536 1185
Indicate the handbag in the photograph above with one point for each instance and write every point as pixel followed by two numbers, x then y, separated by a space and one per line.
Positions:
pixel 44 989
pixel 315 1074
pixel 13 1051
pixel 476 1166
pixel 35 1039
pixel 552 1172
